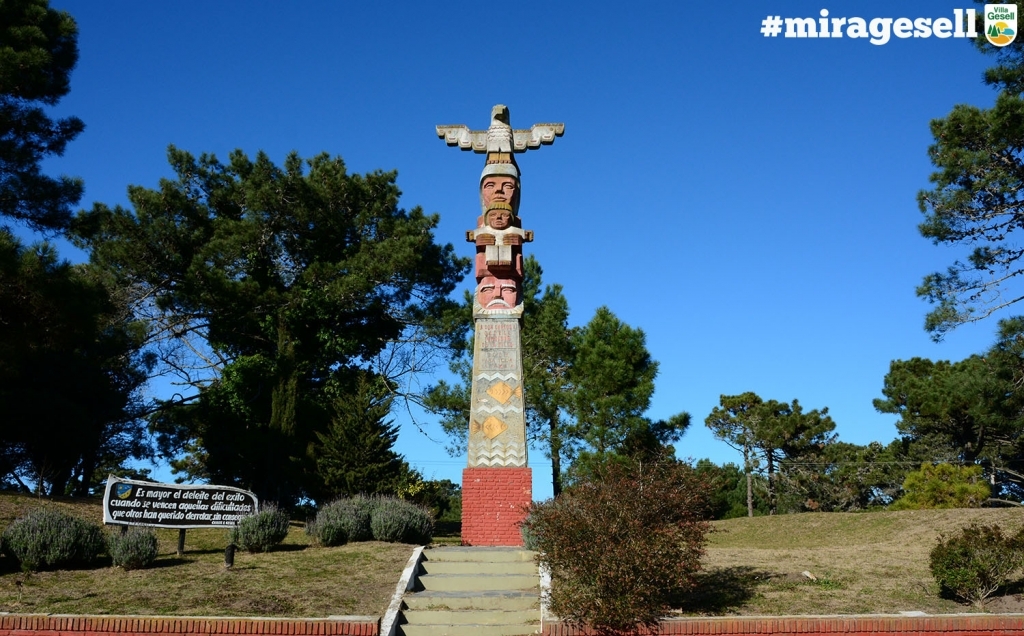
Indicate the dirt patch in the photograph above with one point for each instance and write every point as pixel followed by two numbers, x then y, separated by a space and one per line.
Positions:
pixel 1009 604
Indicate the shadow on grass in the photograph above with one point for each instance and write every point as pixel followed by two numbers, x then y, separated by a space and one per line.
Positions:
pixel 448 529
pixel 197 551
pixel 287 547
pixel 720 590
pixel 169 563
pixel 1015 587
pixel 1011 593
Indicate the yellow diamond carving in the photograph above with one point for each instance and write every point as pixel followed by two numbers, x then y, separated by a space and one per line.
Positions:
pixel 494 427
pixel 474 426
pixel 500 392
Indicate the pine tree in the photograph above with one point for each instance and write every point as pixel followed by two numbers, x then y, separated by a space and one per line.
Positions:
pixel 266 288
pixel 771 431
pixel 548 353
pixel 355 454
pixel 70 373
pixel 38 50
pixel 613 379
pixel 976 200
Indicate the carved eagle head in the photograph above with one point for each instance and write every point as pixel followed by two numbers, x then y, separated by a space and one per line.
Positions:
pixel 500 113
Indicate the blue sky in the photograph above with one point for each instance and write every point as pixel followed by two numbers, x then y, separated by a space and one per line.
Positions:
pixel 749 202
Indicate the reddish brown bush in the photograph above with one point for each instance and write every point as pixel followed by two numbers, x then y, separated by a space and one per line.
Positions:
pixel 623 544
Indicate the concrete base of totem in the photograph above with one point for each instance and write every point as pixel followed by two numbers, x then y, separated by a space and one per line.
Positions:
pixel 494 502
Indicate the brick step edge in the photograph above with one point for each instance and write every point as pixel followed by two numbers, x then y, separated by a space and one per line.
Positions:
pixel 92 625
pixel 867 625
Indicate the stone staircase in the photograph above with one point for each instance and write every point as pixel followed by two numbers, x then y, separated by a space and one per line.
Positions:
pixel 473 591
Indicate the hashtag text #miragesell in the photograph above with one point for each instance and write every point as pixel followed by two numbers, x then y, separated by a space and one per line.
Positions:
pixel 876 30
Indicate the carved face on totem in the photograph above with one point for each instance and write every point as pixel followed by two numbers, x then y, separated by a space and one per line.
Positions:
pixel 499 219
pixel 499 189
pixel 497 293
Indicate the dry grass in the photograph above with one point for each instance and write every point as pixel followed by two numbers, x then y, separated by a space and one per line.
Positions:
pixel 296 580
pixel 867 563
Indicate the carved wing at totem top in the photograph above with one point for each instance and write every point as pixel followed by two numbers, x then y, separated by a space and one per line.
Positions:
pixel 492 140
pixel 460 135
pixel 523 140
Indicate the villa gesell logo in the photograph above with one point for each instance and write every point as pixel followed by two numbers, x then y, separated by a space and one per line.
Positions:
pixel 1000 23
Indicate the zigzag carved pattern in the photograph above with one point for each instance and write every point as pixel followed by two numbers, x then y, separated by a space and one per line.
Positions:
pixel 504 410
pixel 498 376
pixel 501 459
pixel 495 453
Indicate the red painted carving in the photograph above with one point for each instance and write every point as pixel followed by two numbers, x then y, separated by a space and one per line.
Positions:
pixel 497 293
pixel 499 237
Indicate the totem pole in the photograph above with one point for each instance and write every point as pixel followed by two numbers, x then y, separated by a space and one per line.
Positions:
pixel 496 485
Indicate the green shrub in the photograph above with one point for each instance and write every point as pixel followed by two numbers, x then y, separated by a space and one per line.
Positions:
pixel 398 521
pixel 327 532
pixel 526 530
pixel 341 521
pixel 262 531
pixel 133 550
pixel 623 543
pixel 943 486
pixel 48 538
pixel 977 562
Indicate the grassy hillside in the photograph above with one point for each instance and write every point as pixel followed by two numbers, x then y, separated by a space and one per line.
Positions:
pixel 296 580
pixel 864 562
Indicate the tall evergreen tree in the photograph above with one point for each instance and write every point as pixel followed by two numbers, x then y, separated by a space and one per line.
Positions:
pixel 70 374
pixel 548 353
pixel 355 455
pixel 966 412
pixel 612 379
pixel 267 287
pixel 769 431
pixel 844 477
pixel 38 50
pixel 947 410
pixel 734 422
pixel 977 201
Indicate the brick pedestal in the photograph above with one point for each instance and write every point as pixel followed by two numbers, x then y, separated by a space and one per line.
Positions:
pixel 494 501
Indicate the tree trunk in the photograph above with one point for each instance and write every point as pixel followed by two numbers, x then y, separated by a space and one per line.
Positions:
pixel 87 468
pixel 750 481
pixel 285 391
pixel 772 504
pixel 556 455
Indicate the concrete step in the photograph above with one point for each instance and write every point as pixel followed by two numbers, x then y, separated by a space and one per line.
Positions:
pixel 506 600
pixel 493 555
pixel 469 630
pixel 478 582
pixel 471 617
pixel 478 567
pixel 471 591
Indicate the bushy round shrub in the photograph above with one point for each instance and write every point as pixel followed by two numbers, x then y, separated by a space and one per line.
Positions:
pixel 133 550
pixel 976 562
pixel 623 543
pixel 943 486
pixel 341 521
pixel 398 521
pixel 262 531
pixel 48 538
